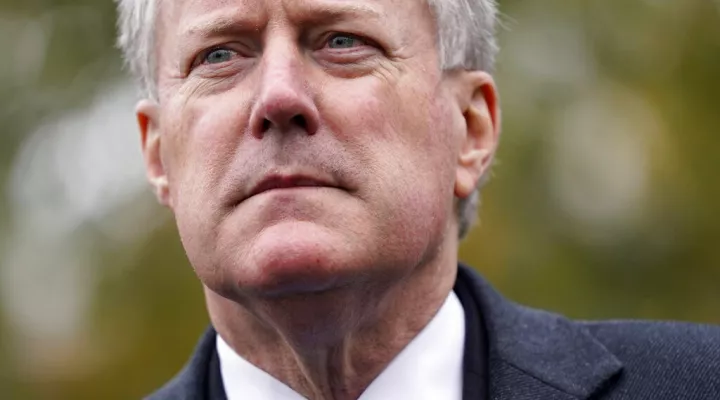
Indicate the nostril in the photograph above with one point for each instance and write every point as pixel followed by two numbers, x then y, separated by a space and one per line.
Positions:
pixel 300 121
pixel 284 122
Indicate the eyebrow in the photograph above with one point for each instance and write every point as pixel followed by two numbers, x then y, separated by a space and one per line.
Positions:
pixel 221 24
pixel 217 25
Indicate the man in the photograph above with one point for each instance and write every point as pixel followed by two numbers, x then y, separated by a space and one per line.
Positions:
pixel 322 159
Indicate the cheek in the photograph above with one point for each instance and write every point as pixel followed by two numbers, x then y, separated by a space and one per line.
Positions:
pixel 205 135
pixel 202 141
pixel 418 145
pixel 408 150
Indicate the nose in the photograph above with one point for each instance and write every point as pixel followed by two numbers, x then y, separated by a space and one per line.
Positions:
pixel 285 103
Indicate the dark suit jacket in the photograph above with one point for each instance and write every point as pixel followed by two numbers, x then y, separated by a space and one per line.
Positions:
pixel 517 353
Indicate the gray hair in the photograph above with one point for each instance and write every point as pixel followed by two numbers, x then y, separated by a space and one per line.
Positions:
pixel 466 39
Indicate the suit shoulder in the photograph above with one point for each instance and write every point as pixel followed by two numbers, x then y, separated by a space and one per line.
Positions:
pixel 679 358
pixel 171 390
pixel 666 337
pixel 191 382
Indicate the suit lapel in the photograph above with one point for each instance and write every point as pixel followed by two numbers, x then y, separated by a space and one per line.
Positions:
pixel 475 360
pixel 530 354
pixel 215 387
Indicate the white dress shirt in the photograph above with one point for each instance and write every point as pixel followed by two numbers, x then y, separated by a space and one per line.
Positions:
pixel 430 367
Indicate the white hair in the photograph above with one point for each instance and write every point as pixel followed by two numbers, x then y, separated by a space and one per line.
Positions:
pixel 136 39
pixel 466 39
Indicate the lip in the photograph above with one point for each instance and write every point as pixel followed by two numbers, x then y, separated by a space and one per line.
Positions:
pixel 273 182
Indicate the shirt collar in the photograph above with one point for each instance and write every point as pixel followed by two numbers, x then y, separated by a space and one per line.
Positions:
pixel 430 367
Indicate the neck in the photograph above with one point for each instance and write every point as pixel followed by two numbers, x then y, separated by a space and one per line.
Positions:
pixel 335 358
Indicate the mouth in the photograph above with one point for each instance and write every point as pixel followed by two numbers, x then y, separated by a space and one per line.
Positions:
pixel 276 182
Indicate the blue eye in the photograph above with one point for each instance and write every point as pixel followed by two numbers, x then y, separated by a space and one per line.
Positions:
pixel 218 56
pixel 343 41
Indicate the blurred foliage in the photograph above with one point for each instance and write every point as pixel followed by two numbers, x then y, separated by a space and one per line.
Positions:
pixel 605 201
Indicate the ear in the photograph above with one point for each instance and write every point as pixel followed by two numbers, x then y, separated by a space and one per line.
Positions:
pixel 481 113
pixel 147 112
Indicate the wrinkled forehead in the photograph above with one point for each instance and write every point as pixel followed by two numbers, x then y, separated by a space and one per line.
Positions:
pixel 178 17
pixel 204 6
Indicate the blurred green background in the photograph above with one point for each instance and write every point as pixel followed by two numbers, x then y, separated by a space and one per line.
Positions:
pixel 605 202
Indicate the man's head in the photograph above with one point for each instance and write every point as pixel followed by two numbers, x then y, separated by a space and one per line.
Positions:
pixel 309 145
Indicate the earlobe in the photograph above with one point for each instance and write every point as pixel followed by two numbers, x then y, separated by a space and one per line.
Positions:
pixel 480 139
pixel 147 112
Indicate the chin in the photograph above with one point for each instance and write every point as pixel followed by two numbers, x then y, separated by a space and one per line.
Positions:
pixel 296 257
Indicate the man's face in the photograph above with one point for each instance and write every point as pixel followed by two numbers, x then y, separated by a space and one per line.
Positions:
pixel 303 145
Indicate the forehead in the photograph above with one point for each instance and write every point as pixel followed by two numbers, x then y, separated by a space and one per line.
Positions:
pixel 189 16
pixel 289 5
